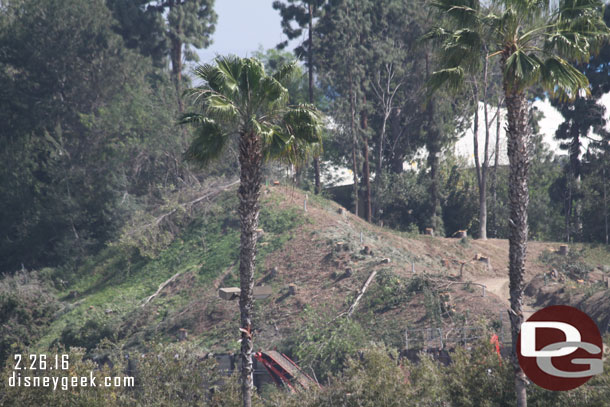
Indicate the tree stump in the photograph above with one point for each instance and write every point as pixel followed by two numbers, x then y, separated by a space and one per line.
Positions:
pixel 292 289
pixel 563 250
pixel 366 251
pixel 429 231
pixel 460 234
pixel 182 334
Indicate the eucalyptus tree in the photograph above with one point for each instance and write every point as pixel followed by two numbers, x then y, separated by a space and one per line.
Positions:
pixel 534 41
pixel 340 64
pixel 580 117
pixel 302 12
pixel 238 100
pixel 183 23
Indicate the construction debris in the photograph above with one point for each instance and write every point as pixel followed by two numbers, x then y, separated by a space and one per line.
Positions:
pixel 284 371
pixel 231 293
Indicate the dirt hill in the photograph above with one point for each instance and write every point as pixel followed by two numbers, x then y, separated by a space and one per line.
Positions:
pixel 317 259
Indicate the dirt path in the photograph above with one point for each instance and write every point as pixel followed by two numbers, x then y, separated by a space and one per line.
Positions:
pixel 498 286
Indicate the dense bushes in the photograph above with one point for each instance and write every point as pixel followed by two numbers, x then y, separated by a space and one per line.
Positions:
pixel 26 308
pixel 180 374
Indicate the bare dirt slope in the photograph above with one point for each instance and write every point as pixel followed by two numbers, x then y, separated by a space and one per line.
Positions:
pixel 334 252
pixel 325 263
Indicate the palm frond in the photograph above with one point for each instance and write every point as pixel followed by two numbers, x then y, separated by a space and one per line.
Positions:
pixel 437 35
pixel 450 77
pixel 192 118
pixel 252 73
pixel 273 92
pixel 208 143
pixel 523 69
pixel 229 70
pixel 304 123
pixel 222 108
pixel 463 49
pixel 286 72
pixel 563 80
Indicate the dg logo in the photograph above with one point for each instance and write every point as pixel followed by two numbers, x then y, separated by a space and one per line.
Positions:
pixel 560 348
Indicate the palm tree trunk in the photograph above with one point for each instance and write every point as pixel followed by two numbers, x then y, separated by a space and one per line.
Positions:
pixel 518 195
pixel 250 158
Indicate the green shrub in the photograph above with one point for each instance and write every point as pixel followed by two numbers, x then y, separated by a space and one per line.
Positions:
pixel 27 306
pixel 325 343
pixel 88 335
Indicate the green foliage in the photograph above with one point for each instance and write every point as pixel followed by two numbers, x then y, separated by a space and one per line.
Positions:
pixel 27 307
pixel 85 135
pixel 390 291
pixel 89 335
pixel 432 304
pixel 478 378
pixel 324 344
pixel 572 265
pixel 173 374
pixel 163 376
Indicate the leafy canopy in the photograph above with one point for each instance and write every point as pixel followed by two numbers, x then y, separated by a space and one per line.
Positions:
pixel 239 98
pixel 534 39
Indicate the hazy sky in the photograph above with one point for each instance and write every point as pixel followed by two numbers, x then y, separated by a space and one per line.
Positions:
pixel 242 26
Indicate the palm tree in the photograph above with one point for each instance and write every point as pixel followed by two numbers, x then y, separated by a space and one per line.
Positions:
pixel 238 100
pixel 534 40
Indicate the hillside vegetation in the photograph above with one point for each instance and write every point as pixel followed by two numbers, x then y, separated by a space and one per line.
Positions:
pixel 103 307
pixel 318 251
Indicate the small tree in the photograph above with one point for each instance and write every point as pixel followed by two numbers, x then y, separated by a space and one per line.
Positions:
pixel 239 100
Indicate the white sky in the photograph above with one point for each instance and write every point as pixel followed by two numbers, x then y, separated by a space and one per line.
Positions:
pixel 548 125
pixel 243 26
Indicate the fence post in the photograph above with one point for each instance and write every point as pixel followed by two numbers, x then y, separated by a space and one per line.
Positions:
pixel 440 337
